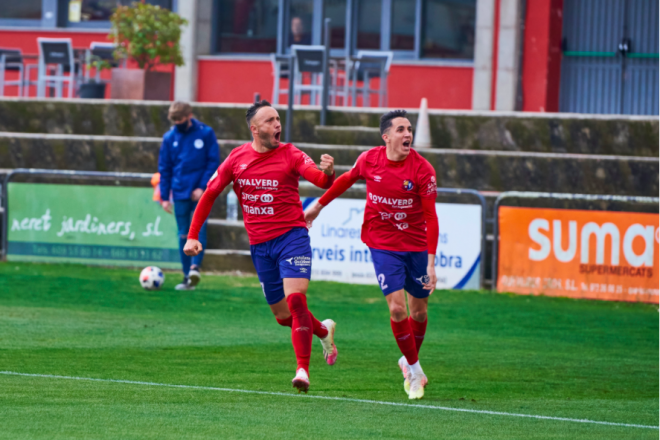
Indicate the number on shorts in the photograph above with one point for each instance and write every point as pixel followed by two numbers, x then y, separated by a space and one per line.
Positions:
pixel 381 280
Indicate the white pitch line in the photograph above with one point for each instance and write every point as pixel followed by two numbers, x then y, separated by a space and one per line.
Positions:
pixel 343 399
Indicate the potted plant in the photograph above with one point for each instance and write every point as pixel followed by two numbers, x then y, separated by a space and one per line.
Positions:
pixel 95 88
pixel 149 36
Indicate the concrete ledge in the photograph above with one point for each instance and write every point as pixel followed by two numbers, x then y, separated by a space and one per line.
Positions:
pixel 476 169
pixel 464 130
pixel 225 261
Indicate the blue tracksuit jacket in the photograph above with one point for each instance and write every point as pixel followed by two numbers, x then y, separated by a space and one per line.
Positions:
pixel 187 160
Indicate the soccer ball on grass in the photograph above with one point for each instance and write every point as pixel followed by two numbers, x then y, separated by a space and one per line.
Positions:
pixel 152 278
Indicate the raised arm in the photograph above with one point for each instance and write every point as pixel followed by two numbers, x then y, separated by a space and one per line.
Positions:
pixel 319 178
pixel 215 186
pixel 339 187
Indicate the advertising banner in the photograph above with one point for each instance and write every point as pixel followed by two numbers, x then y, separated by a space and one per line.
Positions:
pixel 579 254
pixel 89 224
pixel 338 253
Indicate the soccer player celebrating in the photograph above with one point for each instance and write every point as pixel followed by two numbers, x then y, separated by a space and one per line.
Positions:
pixel 265 173
pixel 401 229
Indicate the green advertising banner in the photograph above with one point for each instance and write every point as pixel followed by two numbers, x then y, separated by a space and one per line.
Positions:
pixel 89 224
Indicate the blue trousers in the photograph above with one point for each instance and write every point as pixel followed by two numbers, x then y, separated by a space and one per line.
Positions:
pixel 183 210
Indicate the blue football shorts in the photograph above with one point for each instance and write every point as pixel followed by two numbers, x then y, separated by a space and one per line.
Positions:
pixel 401 270
pixel 286 256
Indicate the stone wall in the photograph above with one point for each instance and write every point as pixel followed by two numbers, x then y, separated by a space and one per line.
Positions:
pixel 481 170
pixel 560 133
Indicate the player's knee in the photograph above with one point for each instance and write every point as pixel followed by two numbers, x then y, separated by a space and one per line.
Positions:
pixel 296 301
pixel 398 312
pixel 418 315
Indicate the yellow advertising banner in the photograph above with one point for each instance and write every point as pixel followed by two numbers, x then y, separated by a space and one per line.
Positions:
pixel 579 254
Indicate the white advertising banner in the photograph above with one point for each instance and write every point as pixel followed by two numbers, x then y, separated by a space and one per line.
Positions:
pixel 338 253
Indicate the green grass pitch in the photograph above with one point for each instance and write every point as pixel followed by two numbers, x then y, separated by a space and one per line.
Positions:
pixel 483 351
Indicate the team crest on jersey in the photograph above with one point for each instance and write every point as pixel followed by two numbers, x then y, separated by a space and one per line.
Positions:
pixel 407 184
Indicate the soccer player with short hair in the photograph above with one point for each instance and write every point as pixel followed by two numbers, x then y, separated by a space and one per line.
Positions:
pixel 265 173
pixel 401 229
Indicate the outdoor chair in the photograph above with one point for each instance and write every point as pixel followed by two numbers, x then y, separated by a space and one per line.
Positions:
pixel 370 64
pixel 58 53
pixel 11 60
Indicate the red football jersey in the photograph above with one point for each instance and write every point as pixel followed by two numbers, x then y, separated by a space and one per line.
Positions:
pixel 267 188
pixel 393 217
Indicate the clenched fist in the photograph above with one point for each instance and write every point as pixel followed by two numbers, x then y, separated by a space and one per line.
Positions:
pixel 192 247
pixel 327 164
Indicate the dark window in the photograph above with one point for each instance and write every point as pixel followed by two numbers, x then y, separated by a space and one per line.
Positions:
pixel 21 10
pixel 368 26
pixel 336 11
pixel 101 10
pixel 300 22
pixel 403 25
pixel 448 29
pixel 246 26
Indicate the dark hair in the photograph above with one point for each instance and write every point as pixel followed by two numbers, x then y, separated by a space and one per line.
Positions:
pixel 254 108
pixel 386 119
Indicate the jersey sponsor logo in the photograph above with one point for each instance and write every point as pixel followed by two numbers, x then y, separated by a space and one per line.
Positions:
pixel 407 184
pixel 198 143
pixel 266 198
pixel 302 261
pixel 432 187
pixel 259 183
pixel 397 203
pixel 307 158
pixel 388 215
pixel 402 226
pixel 258 210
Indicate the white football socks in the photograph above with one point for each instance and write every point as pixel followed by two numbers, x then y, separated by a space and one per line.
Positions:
pixel 416 368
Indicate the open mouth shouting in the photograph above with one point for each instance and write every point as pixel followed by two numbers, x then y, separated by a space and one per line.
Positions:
pixel 277 136
pixel 407 143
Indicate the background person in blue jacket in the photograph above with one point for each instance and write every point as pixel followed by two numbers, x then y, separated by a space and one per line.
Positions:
pixel 189 155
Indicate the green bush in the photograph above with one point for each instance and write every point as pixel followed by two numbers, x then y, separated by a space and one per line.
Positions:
pixel 147 34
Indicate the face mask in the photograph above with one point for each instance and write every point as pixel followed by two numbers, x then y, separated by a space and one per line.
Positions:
pixel 182 127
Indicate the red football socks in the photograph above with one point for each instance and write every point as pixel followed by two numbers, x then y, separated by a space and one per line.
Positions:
pixel 405 339
pixel 287 322
pixel 301 329
pixel 318 328
pixel 419 330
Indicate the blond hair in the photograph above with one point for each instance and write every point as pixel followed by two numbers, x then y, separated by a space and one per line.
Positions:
pixel 179 110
